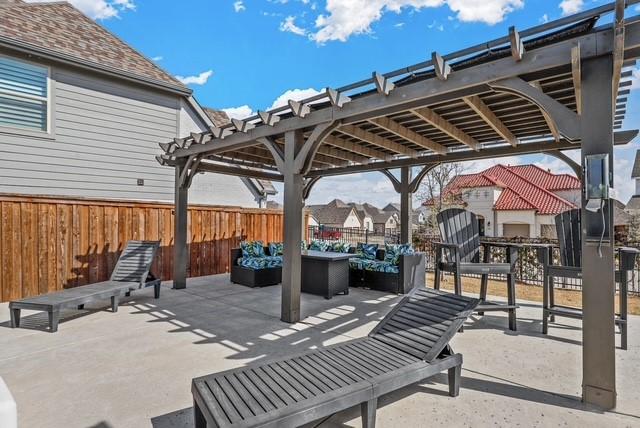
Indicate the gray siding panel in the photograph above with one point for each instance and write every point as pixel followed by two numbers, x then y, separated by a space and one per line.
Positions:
pixel 105 137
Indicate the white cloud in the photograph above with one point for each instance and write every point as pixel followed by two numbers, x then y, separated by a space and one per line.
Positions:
pixel 157 58
pixel 239 6
pixel 571 6
pixel 200 79
pixel 344 18
pixel 544 19
pixel 99 9
pixel 289 25
pixel 241 112
pixel 293 94
pixel 635 79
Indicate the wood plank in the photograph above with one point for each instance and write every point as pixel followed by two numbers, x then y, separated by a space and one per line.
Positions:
pixel 111 237
pixel 11 254
pixel 447 127
pixel 409 135
pixel 64 234
pixel 28 251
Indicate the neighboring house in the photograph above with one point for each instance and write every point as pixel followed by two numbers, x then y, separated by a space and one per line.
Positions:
pixel 633 206
pixel 335 214
pixel 82 113
pixel 514 200
pixel 366 218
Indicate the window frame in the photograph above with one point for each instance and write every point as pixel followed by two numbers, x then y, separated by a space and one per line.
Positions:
pixel 49 99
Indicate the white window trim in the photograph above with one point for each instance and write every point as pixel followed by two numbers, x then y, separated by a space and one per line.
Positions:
pixel 49 99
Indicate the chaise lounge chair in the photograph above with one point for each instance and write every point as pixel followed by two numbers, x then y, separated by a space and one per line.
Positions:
pixel 409 345
pixel 131 273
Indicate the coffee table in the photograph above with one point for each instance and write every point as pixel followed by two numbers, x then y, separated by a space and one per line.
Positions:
pixel 325 273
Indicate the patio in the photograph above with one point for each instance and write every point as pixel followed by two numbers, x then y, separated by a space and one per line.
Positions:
pixel 134 368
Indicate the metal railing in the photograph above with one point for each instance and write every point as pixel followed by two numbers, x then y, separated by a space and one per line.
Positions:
pixel 528 269
pixel 353 235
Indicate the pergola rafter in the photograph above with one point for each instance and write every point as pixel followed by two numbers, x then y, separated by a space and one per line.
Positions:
pixel 554 87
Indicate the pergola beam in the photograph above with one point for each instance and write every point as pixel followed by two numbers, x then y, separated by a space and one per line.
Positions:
pixel 566 121
pixel 377 140
pixel 576 74
pixel 437 121
pixel 343 144
pixel 368 106
pixel 620 138
pixel 482 110
pixel 239 172
pixel 408 134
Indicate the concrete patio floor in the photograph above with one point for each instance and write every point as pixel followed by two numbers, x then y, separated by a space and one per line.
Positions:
pixel 134 368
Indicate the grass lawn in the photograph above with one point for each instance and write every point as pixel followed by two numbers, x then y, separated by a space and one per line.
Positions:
pixel 527 292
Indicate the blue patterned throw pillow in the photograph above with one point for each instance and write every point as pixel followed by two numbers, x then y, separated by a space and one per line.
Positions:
pixel 252 249
pixel 340 247
pixel 276 248
pixel 392 253
pixel 319 245
pixel 367 251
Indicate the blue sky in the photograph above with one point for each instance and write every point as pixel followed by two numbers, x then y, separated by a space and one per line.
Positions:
pixel 245 55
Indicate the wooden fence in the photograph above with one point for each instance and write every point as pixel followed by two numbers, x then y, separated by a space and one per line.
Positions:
pixel 50 244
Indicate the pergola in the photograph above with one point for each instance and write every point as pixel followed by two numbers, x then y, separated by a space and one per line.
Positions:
pixel 555 87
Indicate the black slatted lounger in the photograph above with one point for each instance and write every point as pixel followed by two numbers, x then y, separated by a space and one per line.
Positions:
pixel 409 345
pixel 131 273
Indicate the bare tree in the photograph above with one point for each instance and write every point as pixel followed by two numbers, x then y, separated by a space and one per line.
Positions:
pixel 432 188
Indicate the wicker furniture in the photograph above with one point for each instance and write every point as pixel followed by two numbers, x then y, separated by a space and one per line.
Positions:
pixel 409 345
pixel 253 277
pixel 325 273
pixel 410 274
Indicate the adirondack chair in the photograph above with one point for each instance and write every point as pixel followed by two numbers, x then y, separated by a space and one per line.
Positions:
pixel 459 253
pixel 130 273
pixel 409 345
pixel 568 229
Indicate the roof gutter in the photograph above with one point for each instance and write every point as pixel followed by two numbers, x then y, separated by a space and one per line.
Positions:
pixel 52 55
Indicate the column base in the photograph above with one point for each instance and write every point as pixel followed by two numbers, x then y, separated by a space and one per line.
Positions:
pixel 603 398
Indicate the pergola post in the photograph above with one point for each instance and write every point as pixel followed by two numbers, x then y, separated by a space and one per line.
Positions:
pixel 598 285
pixel 180 229
pixel 405 205
pixel 293 212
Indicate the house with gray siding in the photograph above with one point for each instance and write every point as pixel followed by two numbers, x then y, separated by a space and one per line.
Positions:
pixel 82 113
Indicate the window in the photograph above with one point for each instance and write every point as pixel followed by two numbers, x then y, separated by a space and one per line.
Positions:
pixel 24 95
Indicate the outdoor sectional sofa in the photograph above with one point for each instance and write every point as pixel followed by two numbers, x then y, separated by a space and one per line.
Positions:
pixel 409 345
pixel 256 269
pixel 377 273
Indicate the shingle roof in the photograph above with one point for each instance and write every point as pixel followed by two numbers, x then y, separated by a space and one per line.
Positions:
pixel 335 212
pixel 635 173
pixel 634 203
pixel 524 187
pixel 60 28
pixel 218 117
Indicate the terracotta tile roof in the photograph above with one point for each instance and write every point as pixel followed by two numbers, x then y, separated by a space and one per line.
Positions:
pixel 524 187
pixel 60 28
pixel 546 179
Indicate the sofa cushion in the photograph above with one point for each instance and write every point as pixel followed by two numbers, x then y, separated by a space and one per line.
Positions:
pixel 340 247
pixel 367 251
pixel 393 252
pixel 319 245
pixel 372 265
pixel 260 262
pixel 276 248
pixel 252 249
